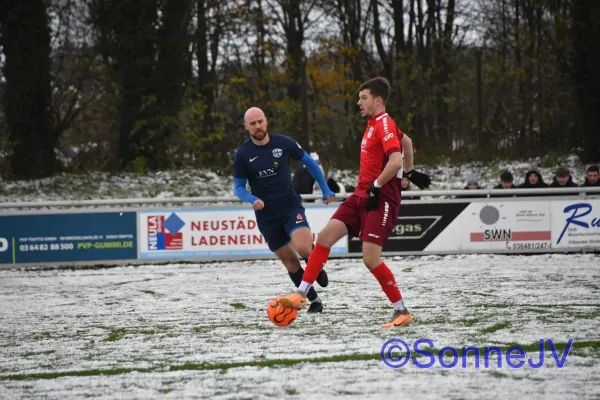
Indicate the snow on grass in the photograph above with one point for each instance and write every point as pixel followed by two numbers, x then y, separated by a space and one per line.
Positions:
pixel 192 183
pixel 188 330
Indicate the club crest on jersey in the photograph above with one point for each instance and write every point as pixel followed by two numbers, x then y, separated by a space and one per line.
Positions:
pixel 370 134
pixel 277 153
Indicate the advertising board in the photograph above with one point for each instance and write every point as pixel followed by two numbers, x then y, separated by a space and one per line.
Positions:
pixel 576 223
pixel 180 234
pixel 68 237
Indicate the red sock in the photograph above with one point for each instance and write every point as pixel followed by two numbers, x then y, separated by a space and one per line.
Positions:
pixel 386 279
pixel 315 263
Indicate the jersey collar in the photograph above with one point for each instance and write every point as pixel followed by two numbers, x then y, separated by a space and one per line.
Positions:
pixel 377 117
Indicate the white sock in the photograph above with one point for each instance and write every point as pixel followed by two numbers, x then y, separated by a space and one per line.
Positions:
pixel 398 306
pixel 304 287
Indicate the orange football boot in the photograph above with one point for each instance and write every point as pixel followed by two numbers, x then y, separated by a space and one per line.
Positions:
pixel 399 318
pixel 294 300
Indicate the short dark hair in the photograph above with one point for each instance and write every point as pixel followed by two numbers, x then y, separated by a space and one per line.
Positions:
pixel 562 172
pixel 593 168
pixel 506 176
pixel 379 87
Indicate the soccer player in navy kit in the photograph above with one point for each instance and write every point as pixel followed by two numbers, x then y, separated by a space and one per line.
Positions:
pixel 264 160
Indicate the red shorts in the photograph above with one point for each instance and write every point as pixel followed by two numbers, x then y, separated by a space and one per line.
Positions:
pixel 373 226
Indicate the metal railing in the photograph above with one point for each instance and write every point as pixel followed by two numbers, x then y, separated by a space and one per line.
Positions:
pixel 438 194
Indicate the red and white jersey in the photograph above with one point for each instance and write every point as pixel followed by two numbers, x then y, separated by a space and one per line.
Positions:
pixel 381 138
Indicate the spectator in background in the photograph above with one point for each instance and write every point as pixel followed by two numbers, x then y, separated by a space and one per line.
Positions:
pixel 331 182
pixel 533 179
pixel 562 178
pixel 592 177
pixel 472 184
pixel 405 187
pixel 304 182
pixel 506 182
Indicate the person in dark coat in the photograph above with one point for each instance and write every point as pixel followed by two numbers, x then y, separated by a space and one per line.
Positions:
pixel 563 178
pixel 592 177
pixel 533 180
pixel 506 182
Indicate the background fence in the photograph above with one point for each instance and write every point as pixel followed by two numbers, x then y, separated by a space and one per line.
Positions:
pixel 204 228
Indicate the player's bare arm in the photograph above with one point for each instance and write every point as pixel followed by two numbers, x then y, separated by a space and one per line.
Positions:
pixel 407 145
pixel 391 168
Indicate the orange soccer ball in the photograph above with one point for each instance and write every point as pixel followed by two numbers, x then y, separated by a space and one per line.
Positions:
pixel 280 315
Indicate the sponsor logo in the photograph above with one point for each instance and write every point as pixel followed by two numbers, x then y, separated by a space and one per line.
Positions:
pixel 490 215
pixel 576 226
pixel 373 235
pixel 165 234
pixel 386 213
pixel 271 171
pixel 411 228
pixel 3 244
pixel 386 129
pixel 277 153
pixel 252 159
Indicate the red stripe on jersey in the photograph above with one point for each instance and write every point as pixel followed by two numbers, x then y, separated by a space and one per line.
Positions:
pixel 392 150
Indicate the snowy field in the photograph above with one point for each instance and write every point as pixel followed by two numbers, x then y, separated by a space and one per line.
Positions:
pixel 200 330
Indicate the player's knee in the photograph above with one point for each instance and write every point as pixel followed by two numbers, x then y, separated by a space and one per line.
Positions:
pixel 371 259
pixel 371 262
pixel 304 251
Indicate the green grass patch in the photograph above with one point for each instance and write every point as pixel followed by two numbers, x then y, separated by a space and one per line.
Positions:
pixel 497 327
pixel 497 374
pixel 151 292
pixel 239 306
pixel 37 353
pixel 118 333
pixel 224 366
pixel 291 391
pixel 491 305
pixel 203 329
pixel 42 335
pixel 407 269
pixel 480 294
pixel 468 321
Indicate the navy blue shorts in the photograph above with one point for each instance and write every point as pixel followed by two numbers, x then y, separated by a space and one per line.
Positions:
pixel 277 228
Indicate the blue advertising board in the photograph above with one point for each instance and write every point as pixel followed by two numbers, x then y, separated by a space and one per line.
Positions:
pixel 68 237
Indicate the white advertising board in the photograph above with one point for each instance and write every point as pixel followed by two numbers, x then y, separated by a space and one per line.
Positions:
pixel 489 226
pixel 214 233
pixel 576 223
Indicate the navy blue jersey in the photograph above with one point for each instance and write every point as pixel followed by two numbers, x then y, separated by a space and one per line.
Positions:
pixel 267 168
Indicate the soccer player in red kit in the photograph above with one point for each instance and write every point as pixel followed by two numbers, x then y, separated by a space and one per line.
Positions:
pixel 370 212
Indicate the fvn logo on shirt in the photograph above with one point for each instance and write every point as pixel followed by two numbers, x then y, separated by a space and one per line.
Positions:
pixel 272 170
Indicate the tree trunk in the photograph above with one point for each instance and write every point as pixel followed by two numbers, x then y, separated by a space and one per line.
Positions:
pixel 296 87
pixel 586 69
pixel 25 37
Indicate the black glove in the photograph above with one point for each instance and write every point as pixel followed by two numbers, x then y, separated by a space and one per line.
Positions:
pixel 373 201
pixel 421 180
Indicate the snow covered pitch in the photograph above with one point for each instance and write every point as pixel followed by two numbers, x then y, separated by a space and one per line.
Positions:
pixel 200 331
